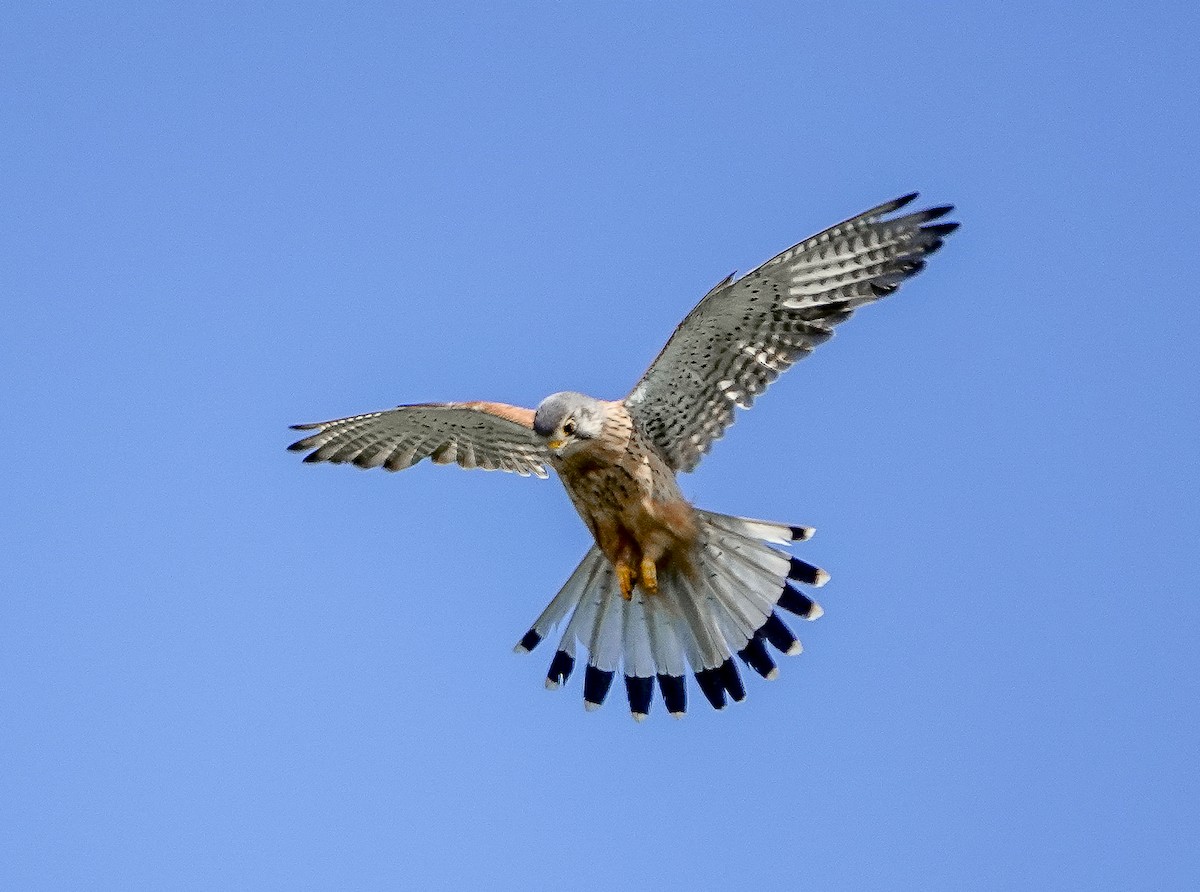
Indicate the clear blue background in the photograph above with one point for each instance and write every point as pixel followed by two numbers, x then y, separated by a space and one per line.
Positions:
pixel 222 669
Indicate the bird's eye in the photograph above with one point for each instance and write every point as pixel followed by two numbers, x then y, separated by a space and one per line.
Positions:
pixel 569 428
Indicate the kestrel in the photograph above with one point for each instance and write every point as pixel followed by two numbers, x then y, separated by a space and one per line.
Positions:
pixel 667 586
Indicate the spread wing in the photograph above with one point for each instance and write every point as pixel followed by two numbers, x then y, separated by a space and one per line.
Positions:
pixel 744 333
pixel 493 436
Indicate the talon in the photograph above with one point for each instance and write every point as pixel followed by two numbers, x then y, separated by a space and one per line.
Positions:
pixel 625 580
pixel 649 576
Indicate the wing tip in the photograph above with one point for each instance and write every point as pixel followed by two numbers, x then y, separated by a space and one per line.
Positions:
pixel 888 207
pixel 938 210
pixel 941 230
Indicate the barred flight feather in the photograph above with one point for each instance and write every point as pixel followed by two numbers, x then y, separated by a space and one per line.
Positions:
pixel 744 332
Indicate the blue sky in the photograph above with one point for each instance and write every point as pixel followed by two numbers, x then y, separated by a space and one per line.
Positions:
pixel 223 669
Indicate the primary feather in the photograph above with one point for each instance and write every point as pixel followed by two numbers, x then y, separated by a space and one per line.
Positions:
pixel 744 333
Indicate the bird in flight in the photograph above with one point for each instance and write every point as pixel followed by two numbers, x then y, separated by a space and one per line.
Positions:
pixel 667 587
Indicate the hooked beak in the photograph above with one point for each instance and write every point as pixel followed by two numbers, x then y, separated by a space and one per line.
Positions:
pixel 556 445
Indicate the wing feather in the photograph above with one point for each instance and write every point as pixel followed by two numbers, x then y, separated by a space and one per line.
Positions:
pixel 746 332
pixel 473 435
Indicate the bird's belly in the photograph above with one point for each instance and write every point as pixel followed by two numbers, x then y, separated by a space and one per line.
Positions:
pixel 627 516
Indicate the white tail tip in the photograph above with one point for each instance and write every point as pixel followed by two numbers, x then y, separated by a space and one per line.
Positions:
pixel 772 675
pixel 796 648
pixel 815 612
pixel 551 684
pixel 638 716
pixel 822 578
pixel 589 706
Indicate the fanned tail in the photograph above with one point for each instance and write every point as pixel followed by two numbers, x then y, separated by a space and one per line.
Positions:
pixel 730 607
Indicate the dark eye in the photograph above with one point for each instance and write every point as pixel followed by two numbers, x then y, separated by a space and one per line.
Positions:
pixel 569 428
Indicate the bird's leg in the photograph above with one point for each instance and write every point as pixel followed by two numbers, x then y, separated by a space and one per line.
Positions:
pixel 625 579
pixel 649 576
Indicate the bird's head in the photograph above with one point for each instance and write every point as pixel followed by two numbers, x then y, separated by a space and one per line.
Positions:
pixel 566 420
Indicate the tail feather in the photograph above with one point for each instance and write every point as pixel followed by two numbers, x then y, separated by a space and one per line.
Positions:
pixel 564 602
pixel 674 693
pixel 560 669
pixel 764 530
pixel 673 618
pixel 596 683
pixel 639 650
pixel 755 655
pixel 734 629
pixel 604 644
pixel 800 571
pixel 665 642
pixel 800 604
pixel 685 619
pixel 781 637
pixel 711 687
pixel 766 565
pixel 700 611
pixel 732 680
pixel 744 616
pixel 691 624
pixel 587 605
pixel 579 598
pixel 640 692
pixel 742 588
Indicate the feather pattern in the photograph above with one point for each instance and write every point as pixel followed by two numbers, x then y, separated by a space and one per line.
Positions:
pixel 744 333
pixel 695 624
pixel 638 651
pixel 564 603
pixel 720 583
pixel 604 644
pixel 666 645
pixel 492 436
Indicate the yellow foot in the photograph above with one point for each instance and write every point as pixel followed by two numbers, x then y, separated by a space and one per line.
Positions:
pixel 625 580
pixel 649 576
